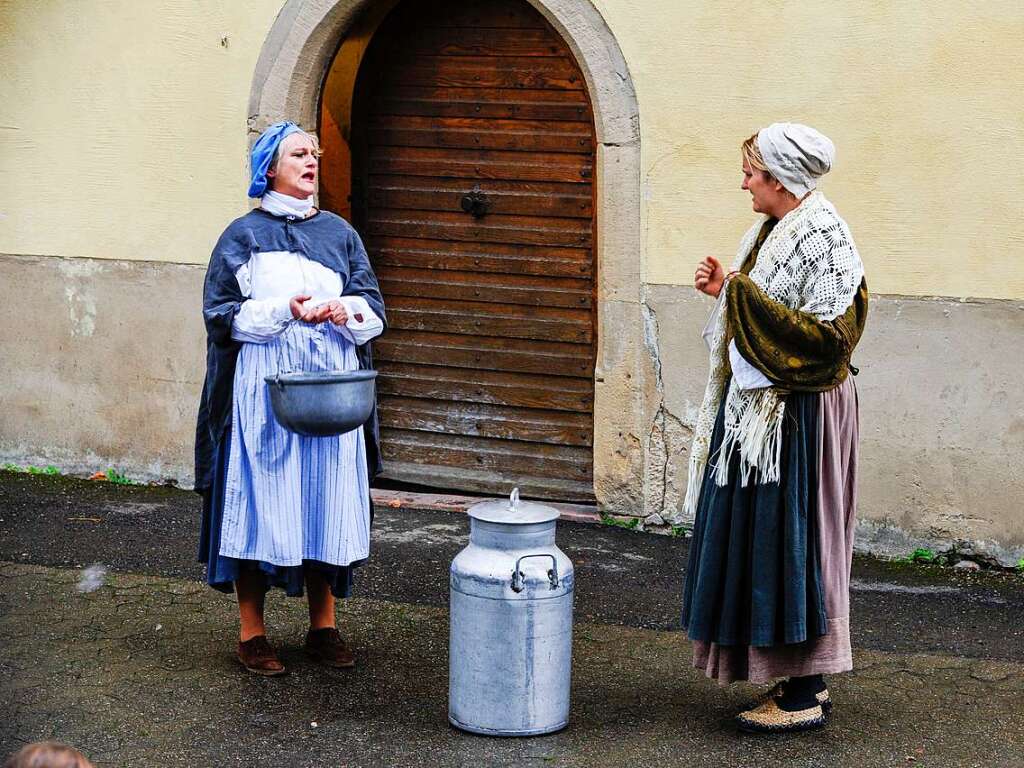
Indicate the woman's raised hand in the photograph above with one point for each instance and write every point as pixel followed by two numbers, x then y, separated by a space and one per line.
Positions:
pixel 709 277
pixel 312 315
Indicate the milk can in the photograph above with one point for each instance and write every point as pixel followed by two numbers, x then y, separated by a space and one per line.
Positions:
pixel 510 646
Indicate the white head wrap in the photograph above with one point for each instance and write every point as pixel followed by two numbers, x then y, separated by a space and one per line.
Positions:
pixel 796 155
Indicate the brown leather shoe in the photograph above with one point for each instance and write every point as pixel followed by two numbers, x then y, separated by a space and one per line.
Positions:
pixel 326 646
pixel 256 655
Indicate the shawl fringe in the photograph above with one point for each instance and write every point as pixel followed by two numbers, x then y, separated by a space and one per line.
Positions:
pixel 759 438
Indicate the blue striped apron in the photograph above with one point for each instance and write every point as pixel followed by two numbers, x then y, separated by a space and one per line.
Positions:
pixel 288 497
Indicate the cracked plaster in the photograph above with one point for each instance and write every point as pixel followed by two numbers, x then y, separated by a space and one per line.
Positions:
pixel 939 420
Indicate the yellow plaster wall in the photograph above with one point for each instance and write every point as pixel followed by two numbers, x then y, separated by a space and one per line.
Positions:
pixel 123 124
pixel 118 117
pixel 924 100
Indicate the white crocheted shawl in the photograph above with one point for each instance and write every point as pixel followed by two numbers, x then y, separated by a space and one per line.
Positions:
pixel 808 262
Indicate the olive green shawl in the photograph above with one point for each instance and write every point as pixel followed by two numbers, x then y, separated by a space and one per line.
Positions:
pixel 795 350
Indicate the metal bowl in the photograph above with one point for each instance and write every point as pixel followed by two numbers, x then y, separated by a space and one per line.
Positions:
pixel 322 403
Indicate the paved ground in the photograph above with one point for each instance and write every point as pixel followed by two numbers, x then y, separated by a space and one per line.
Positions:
pixel 140 672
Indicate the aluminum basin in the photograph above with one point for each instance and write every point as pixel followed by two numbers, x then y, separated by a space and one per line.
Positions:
pixel 322 403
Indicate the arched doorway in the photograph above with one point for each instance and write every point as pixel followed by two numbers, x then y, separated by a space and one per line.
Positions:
pixel 289 82
pixel 472 167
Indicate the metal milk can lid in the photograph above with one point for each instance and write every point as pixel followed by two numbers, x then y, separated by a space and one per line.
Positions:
pixel 513 511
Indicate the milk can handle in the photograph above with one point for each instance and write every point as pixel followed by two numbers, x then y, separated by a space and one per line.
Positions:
pixel 518 577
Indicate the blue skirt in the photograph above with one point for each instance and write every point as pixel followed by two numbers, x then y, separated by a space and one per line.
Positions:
pixel 222 572
pixel 754 573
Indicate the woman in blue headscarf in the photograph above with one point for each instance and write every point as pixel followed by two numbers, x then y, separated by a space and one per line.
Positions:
pixel 288 287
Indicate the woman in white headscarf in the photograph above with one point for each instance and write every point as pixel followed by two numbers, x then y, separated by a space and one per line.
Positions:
pixel 772 475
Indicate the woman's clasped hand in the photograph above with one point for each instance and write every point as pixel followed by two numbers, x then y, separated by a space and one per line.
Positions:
pixel 303 308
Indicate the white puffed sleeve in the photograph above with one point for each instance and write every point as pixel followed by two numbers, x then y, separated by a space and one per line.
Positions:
pixel 362 324
pixel 258 320
pixel 744 374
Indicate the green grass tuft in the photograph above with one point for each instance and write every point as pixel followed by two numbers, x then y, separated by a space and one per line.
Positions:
pixel 615 522
pixel 116 477
pixel 921 556
pixel 49 469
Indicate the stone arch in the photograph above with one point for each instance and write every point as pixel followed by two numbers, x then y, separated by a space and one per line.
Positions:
pixel 289 75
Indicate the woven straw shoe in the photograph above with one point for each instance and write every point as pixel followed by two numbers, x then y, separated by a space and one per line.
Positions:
pixel 776 691
pixel 768 717
pixel 825 701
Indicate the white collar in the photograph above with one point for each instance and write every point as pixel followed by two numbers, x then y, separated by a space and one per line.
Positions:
pixel 286 205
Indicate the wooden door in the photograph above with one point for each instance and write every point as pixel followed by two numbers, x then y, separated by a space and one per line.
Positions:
pixel 473 158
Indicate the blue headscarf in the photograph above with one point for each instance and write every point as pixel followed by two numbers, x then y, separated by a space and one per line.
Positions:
pixel 263 152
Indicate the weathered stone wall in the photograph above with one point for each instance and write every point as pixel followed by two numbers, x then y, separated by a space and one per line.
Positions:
pixel 942 419
pixel 103 364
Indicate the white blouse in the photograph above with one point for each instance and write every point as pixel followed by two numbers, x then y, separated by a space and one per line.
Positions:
pixel 270 279
pixel 745 374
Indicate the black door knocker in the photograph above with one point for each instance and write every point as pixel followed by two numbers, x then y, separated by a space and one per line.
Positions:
pixel 475 202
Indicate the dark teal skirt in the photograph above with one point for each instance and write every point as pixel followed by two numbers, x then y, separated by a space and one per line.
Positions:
pixel 754 573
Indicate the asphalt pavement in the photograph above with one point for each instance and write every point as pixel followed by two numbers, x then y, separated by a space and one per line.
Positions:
pixel 141 672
